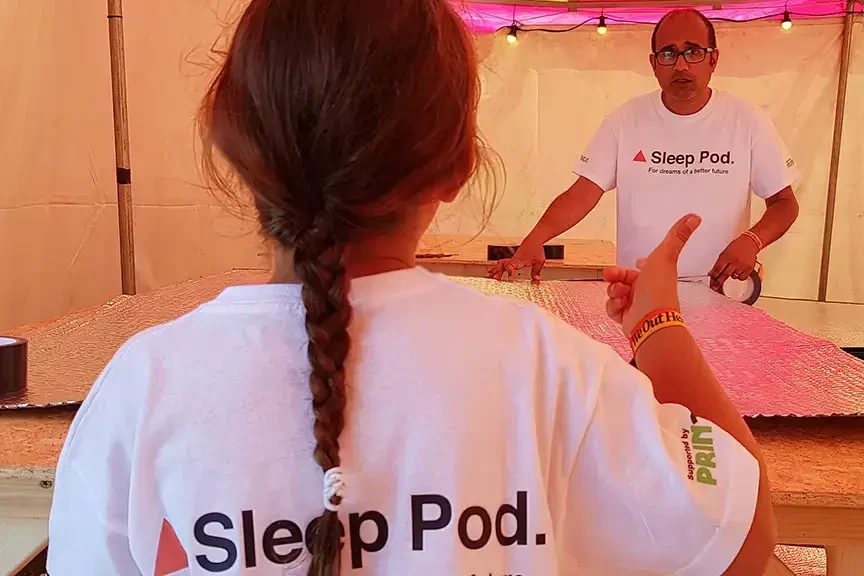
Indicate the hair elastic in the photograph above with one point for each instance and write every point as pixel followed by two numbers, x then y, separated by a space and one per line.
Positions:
pixel 334 486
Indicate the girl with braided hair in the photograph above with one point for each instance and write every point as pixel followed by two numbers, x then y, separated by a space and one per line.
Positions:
pixel 359 415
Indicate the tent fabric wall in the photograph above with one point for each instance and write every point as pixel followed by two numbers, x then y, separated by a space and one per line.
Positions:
pixel 58 215
pixel 182 230
pixel 542 99
pixel 846 271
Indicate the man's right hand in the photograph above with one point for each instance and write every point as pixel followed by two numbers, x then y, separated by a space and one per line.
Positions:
pixel 529 254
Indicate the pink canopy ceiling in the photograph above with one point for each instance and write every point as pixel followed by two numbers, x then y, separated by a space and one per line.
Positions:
pixel 488 17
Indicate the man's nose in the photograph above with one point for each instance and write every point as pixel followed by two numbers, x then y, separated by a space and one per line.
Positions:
pixel 681 64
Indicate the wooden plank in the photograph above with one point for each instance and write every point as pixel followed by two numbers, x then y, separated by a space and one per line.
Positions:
pixel 776 567
pixel 578 254
pixel 21 540
pixel 482 271
pixel 25 498
pixel 845 560
pixel 819 526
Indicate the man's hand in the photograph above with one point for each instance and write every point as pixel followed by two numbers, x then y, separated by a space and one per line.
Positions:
pixel 528 254
pixel 636 293
pixel 737 261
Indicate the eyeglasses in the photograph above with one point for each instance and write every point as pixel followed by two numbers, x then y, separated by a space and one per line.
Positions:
pixel 691 56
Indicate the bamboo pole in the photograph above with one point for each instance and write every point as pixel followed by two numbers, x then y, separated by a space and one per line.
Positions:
pixel 121 145
pixel 834 167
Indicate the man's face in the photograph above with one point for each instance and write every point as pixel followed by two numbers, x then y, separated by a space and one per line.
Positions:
pixel 682 80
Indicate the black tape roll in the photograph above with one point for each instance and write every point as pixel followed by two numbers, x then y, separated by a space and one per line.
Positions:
pixel 13 364
pixel 751 291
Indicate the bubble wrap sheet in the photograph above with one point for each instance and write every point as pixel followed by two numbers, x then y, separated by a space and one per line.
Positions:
pixel 67 355
pixel 767 367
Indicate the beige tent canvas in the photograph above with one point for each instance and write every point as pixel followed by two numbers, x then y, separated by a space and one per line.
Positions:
pixel 542 99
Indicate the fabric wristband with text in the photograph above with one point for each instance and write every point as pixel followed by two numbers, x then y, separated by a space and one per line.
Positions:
pixel 755 238
pixel 653 323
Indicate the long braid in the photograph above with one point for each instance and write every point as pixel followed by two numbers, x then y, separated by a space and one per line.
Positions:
pixel 341 132
pixel 319 266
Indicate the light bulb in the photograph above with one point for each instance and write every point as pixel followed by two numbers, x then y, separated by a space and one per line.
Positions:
pixel 601 26
pixel 511 36
pixel 787 21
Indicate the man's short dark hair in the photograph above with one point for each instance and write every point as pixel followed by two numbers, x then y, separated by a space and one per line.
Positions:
pixel 712 37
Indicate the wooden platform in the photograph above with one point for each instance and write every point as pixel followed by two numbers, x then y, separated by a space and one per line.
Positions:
pixel 842 324
pixel 466 256
pixel 815 466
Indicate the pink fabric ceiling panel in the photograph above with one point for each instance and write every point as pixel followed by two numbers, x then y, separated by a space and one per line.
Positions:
pixel 487 18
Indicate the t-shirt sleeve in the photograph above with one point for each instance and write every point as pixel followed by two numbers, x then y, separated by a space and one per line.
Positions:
pixel 89 513
pixel 599 162
pixel 772 167
pixel 652 489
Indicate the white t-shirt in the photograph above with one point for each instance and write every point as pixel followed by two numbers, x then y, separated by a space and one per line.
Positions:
pixel 665 166
pixel 483 436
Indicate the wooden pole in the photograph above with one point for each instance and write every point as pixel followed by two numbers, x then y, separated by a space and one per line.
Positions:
pixel 121 145
pixel 834 167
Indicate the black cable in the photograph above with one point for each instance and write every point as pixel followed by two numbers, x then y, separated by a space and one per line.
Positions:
pixel 557 31
pixel 713 19
pixel 553 30
pixel 744 21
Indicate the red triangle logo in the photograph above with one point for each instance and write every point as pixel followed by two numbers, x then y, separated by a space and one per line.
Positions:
pixel 640 157
pixel 170 555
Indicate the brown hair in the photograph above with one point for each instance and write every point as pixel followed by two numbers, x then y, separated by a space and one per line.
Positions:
pixel 338 116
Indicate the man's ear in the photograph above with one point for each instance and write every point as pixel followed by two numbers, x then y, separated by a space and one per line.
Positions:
pixel 715 56
pixel 653 61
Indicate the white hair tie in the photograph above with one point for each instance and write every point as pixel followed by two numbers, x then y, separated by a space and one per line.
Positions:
pixel 334 486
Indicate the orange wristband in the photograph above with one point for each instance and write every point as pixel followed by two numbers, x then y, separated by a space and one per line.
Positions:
pixel 653 323
pixel 755 238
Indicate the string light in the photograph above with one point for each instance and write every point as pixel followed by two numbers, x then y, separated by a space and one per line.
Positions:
pixel 603 29
pixel 511 35
pixel 601 26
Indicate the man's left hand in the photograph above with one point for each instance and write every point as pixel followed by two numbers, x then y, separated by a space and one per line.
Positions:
pixel 737 261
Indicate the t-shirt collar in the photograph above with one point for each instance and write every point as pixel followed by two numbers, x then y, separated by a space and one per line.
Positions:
pixel 666 113
pixel 363 289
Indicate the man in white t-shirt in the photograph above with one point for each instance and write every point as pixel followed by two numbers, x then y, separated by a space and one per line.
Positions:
pixel 686 148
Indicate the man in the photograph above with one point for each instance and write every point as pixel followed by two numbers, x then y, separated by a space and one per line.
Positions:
pixel 686 148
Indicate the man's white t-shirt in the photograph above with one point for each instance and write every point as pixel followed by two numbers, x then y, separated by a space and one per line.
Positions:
pixel 483 436
pixel 665 166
